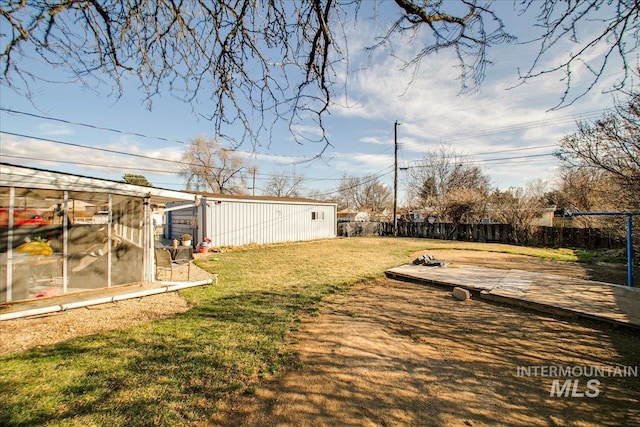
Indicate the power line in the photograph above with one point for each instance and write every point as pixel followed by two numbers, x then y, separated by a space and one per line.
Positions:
pixel 159 171
pixel 106 150
pixel 119 152
pixel 370 179
pixel 454 155
pixel 55 119
pixel 535 147
pixel 454 137
pixel 173 162
pixel 162 171
pixel 530 156
pixel 327 193
pixel 124 153
pixel 515 127
pixel 501 159
pixel 262 176
pixel 123 132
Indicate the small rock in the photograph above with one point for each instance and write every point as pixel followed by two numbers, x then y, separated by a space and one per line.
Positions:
pixel 461 294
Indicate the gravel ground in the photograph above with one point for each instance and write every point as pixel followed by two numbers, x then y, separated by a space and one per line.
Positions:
pixel 22 334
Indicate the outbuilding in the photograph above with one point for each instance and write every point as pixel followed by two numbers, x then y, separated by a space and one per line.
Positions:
pixel 63 233
pixel 237 220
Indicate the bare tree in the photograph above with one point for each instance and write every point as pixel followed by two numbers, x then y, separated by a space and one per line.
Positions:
pixel 464 206
pixel 258 62
pixel 601 166
pixel 615 38
pixel 520 208
pixel 609 148
pixel 284 185
pixel 208 166
pixel 584 190
pixel 327 196
pixel 365 193
pixel 442 180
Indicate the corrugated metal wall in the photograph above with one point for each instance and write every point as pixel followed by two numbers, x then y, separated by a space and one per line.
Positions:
pixel 239 222
pixel 229 222
pixel 183 221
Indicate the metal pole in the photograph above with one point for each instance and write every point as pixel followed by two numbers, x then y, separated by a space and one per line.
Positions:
pixel 629 250
pixel 65 242
pixel 395 179
pixel 9 272
pixel 629 215
pixel 109 237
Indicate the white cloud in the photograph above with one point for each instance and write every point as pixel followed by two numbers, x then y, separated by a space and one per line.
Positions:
pixel 307 132
pixel 375 140
pixel 503 115
pixel 47 154
pixel 54 129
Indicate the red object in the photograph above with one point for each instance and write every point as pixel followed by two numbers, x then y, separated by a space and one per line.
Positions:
pixel 202 249
pixel 47 292
pixel 22 217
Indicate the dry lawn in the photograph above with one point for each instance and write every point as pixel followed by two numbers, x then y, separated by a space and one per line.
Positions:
pixel 393 353
pixel 397 354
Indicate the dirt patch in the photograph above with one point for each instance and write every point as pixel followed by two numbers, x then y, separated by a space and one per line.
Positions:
pixel 23 334
pixel 394 353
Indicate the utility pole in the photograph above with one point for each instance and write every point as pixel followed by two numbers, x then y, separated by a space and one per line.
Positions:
pixel 253 187
pixel 395 178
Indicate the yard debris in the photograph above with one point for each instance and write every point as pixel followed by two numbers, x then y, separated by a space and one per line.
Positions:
pixel 429 261
pixel 461 294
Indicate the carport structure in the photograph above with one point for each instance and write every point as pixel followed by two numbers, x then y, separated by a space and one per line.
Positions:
pixel 95 233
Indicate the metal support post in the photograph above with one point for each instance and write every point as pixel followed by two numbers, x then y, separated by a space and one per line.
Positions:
pixel 629 216
pixel 629 250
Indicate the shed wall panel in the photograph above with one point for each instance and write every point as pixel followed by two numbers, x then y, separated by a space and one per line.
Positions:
pixel 183 221
pixel 236 223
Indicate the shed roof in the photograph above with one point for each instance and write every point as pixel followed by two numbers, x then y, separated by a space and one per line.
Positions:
pixel 46 180
pixel 245 197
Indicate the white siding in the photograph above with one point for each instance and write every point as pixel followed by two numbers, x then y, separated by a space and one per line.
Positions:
pixel 182 221
pixel 242 222
pixel 237 222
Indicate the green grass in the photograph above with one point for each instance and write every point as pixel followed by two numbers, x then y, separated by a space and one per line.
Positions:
pixel 175 371
pixel 614 256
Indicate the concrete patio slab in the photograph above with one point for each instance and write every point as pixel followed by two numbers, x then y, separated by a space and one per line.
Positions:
pixel 543 292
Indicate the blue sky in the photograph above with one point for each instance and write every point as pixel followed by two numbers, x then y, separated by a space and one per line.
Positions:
pixel 506 129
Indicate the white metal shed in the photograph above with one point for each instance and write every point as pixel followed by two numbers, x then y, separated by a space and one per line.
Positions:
pixel 230 220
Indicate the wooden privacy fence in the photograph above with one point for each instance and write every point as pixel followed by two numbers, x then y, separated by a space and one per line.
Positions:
pixel 591 238
pixel 488 233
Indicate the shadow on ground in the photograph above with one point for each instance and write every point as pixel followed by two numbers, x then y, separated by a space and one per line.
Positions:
pixel 396 353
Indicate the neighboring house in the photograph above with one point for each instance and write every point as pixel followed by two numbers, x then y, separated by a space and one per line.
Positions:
pixel 547 217
pixel 112 245
pixel 417 216
pixel 346 216
pixel 362 217
pixel 236 220
pixel 353 216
